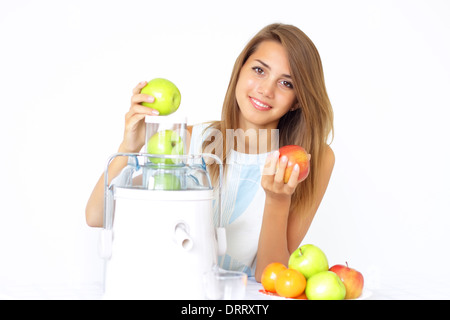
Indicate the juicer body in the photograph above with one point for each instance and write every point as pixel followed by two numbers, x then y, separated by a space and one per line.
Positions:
pixel 164 242
pixel 159 244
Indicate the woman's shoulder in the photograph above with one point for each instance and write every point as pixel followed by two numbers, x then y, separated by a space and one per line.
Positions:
pixel 197 133
pixel 328 154
pixel 199 126
pixel 328 158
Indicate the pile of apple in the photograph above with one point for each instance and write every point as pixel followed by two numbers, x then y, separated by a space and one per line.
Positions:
pixel 322 283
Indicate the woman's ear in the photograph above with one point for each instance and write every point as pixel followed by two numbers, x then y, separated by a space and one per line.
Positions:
pixel 295 107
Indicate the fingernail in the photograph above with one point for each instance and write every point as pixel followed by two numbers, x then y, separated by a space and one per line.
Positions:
pixel 151 99
pixel 296 167
pixel 155 111
pixel 142 82
pixel 284 159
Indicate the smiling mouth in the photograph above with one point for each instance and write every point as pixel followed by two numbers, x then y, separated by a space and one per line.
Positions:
pixel 259 105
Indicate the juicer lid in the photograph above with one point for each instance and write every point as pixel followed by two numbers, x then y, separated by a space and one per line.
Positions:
pixel 166 119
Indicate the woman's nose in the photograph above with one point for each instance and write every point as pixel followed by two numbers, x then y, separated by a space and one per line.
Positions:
pixel 266 88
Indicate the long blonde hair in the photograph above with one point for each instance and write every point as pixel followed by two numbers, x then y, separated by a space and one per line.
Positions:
pixel 309 124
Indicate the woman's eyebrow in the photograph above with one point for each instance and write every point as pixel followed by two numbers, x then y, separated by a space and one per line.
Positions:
pixel 268 67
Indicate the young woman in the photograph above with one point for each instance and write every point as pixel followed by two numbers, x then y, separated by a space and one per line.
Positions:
pixel 277 86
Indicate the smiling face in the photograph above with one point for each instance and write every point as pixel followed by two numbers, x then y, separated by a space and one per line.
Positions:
pixel 264 91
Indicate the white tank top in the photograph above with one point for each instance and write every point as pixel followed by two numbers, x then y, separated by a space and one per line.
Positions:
pixel 243 201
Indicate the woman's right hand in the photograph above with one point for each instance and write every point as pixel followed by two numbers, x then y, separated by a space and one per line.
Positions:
pixel 134 135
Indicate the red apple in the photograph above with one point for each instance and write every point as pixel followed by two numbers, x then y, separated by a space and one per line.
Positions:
pixel 353 280
pixel 295 155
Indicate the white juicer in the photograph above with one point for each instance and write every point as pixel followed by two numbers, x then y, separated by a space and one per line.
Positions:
pixel 159 238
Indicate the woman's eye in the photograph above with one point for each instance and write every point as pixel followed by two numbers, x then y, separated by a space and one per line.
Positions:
pixel 258 70
pixel 287 84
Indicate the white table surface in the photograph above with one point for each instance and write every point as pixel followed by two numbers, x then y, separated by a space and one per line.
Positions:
pixel 395 289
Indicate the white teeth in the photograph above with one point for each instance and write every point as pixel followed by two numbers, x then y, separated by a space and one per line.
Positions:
pixel 262 105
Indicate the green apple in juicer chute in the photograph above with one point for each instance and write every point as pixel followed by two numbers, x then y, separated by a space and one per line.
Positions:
pixel 309 260
pixel 166 181
pixel 165 142
pixel 166 94
pixel 325 285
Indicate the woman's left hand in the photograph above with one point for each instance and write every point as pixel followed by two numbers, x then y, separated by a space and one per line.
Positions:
pixel 272 179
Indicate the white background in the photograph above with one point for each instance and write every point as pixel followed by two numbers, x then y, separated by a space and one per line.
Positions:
pixel 67 69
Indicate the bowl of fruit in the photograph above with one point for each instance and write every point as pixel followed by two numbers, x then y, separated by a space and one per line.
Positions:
pixel 309 277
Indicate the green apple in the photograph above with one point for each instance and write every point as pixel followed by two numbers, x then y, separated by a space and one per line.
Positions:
pixel 325 285
pixel 166 94
pixel 309 260
pixel 165 142
pixel 166 181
